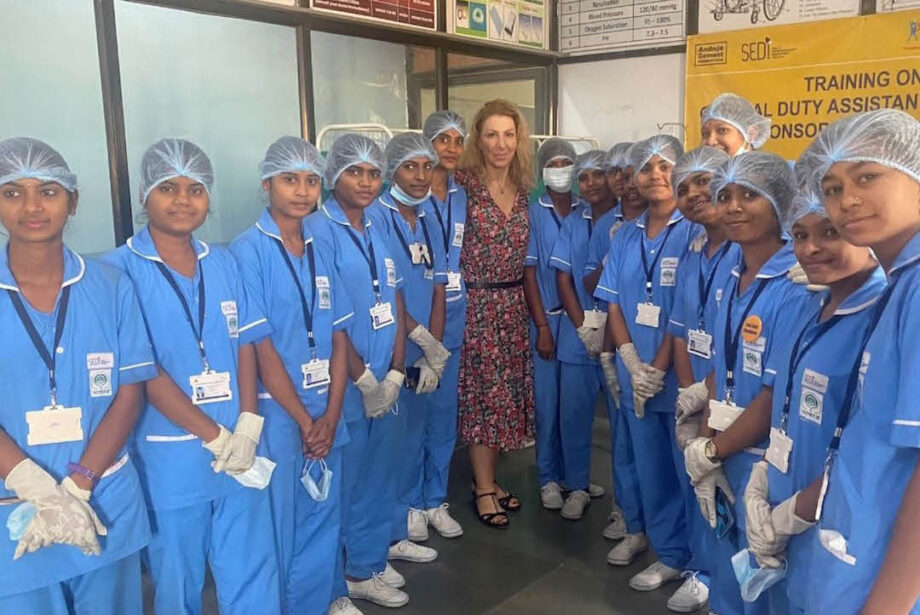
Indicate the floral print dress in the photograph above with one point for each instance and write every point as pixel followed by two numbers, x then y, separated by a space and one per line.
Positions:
pixel 496 375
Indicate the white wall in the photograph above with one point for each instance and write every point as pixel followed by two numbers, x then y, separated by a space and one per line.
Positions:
pixel 622 100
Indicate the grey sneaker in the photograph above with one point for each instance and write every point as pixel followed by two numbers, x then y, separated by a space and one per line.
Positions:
pixel 575 505
pixel 551 496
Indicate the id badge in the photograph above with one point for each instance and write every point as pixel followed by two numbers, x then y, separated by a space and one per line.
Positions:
pixel 210 387
pixel 453 282
pixel 54 425
pixel 647 315
pixel 315 373
pixel 457 241
pixel 699 343
pixel 381 315
pixel 595 319
pixel 780 449
pixel 722 414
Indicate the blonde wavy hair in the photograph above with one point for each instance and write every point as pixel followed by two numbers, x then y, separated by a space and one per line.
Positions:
pixel 521 168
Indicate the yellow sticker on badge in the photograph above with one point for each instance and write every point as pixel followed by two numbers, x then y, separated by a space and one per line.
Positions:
pixel 751 329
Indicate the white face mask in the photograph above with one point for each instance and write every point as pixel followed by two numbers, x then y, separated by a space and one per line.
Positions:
pixel 559 179
pixel 258 475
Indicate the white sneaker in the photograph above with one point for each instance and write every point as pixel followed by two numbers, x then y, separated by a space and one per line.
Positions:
pixel 418 525
pixel 442 522
pixel 551 496
pixel 343 606
pixel 392 577
pixel 653 577
pixel 616 529
pixel 575 504
pixel 624 553
pixel 596 491
pixel 690 596
pixel 411 552
pixel 376 591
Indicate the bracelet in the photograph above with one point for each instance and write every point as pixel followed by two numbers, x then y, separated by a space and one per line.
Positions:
pixel 82 470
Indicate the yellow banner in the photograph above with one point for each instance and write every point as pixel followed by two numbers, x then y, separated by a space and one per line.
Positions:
pixel 805 76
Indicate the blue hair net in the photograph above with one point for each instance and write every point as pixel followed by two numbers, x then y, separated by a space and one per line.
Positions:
pixel 27 158
pixel 767 174
pixel 700 160
pixel 665 146
pixel 592 159
pixel 170 158
pixel 442 121
pixel 555 148
pixel 351 149
pixel 407 146
pixel 616 157
pixel 741 114
pixel 887 137
pixel 803 203
pixel 291 155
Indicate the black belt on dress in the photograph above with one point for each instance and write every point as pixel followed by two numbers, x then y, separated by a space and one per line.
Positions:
pixel 494 285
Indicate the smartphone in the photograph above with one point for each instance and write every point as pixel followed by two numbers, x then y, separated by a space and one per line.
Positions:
pixel 412 377
pixel 725 516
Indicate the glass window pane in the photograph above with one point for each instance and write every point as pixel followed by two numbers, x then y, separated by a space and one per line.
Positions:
pixel 227 84
pixel 51 65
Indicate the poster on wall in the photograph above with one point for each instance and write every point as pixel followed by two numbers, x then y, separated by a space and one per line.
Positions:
pixel 804 76
pixel 887 6
pixel 607 25
pixel 721 15
pixel 517 22
pixel 418 13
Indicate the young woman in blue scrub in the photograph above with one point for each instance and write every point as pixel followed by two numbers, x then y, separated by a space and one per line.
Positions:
pixel 302 372
pixel 407 215
pixel 75 354
pixel 867 167
pixel 358 250
pixel 759 306
pixel 732 124
pixel 638 283
pixel 203 328
pixel 446 131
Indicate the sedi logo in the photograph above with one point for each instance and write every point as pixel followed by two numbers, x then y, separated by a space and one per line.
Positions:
pixel 755 51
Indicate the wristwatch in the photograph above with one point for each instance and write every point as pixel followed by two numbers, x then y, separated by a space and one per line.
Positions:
pixel 712 454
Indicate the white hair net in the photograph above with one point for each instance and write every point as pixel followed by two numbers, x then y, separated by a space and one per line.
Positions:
pixel 351 149
pixel 887 137
pixel 767 174
pixel 170 158
pixel 555 148
pixel 27 158
pixel 407 146
pixel 803 203
pixel 592 159
pixel 441 121
pixel 291 155
pixel 641 152
pixel 741 114
pixel 616 157
pixel 700 160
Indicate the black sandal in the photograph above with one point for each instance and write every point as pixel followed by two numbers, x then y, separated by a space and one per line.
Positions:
pixel 506 501
pixel 488 519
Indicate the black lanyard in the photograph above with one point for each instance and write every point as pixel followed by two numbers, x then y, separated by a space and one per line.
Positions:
pixel 704 289
pixel 371 261
pixel 552 211
pixel 405 244
pixel 731 340
pixel 591 230
pixel 649 271
pixel 47 357
pixel 307 311
pixel 446 232
pixel 199 331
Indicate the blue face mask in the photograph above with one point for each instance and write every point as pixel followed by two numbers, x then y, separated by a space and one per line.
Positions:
pixel 317 490
pixel 258 475
pixel 19 520
pixel 397 193
pixel 753 579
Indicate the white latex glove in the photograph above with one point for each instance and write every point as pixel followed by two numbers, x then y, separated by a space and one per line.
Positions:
pixel 592 341
pixel 218 446
pixel 434 350
pixel 608 364
pixel 769 530
pixel 630 358
pixel 706 494
pixel 798 276
pixel 240 452
pixel 63 514
pixel 427 378
pixel 650 382
pixel 639 404
pixel 696 462
pixel 687 429
pixel 389 390
pixel 370 393
pixel 691 400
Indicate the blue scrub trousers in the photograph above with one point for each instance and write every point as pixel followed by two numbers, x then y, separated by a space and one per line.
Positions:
pixel 625 480
pixel 231 534
pixel 410 431
pixel 579 386
pixel 114 589
pixel 546 412
pixel 699 533
pixel 306 535
pixel 440 436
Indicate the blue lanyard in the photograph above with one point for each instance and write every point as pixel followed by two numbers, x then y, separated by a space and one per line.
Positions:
pixel 704 290
pixel 371 260
pixel 47 357
pixel 444 231
pixel 304 306
pixel 731 339
pixel 405 244
pixel 199 331
pixel 649 271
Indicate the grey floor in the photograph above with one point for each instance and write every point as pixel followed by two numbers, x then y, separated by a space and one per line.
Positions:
pixel 541 565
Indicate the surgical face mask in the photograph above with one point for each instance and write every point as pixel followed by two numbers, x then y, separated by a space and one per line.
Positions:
pixel 753 579
pixel 559 179
pixel 19 520
pixel 317 490
pixel 259 475
pixel 399 194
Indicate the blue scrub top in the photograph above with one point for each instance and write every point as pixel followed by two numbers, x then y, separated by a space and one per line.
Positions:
pixel 104 345
pixel 269 284
pixel 451 219
pixel 691 309
pixel 418 289
pixel 570 255
pixel 331 230
pixel 600 244
pixel 623 283
pixel 878 452
pixel 545 226
pixel 175 467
